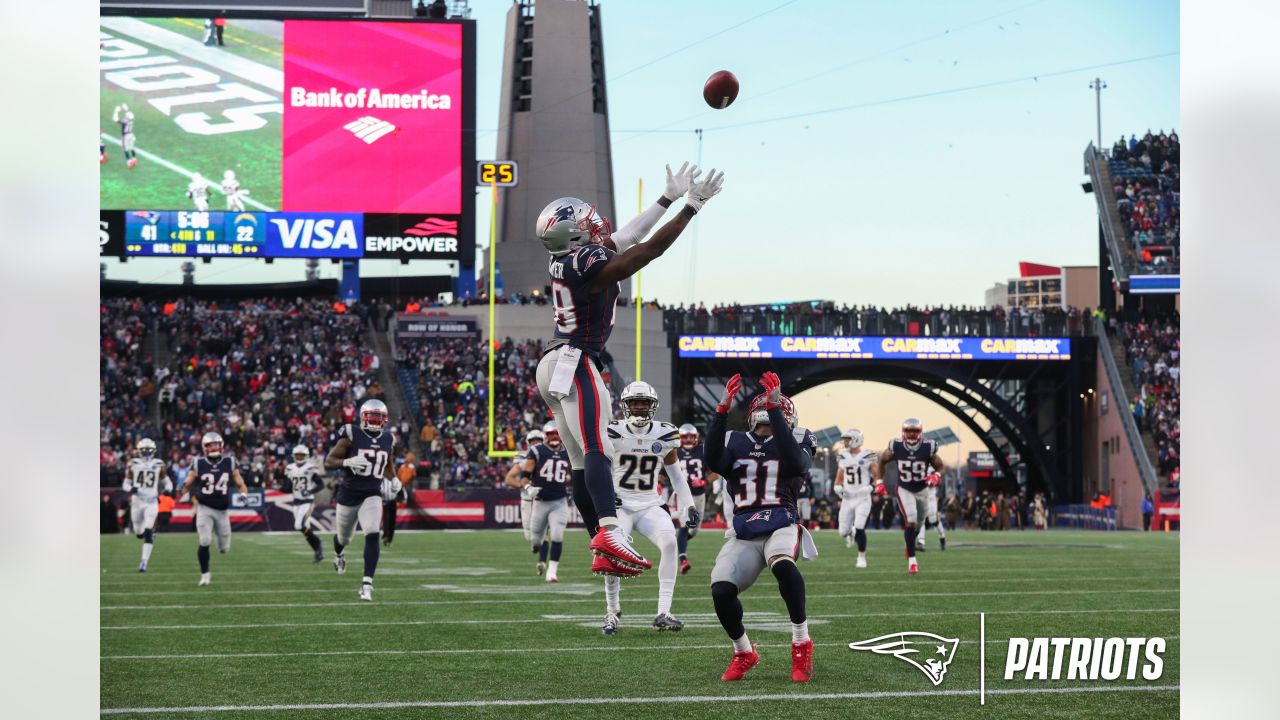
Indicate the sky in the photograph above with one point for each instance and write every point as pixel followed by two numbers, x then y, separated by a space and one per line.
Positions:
pixel 887 153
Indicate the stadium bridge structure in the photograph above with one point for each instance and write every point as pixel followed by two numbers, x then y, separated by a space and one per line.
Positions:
pixel 1028 413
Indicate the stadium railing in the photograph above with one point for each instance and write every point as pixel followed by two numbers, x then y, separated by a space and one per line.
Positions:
pixel 1150 480
pixel 1085 517
pixel 1118 248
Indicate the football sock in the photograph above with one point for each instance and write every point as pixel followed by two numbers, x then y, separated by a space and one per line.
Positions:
pixel 668 566
pixel 542 551
pixel 598 474
pixel 312 540
pixel 682 541
pixel 338 547
pixel 202 553
pixel 729 611
pixel 556 548
pixel 910 535
pixel 146 550
pixel 582 499
pixel 860 537
pixel 742 644
pixel 552 567
pixel 800 631
pixel 942 530
pixel 612 588
pixel 371 551
pixel 791 587
pixel 367 581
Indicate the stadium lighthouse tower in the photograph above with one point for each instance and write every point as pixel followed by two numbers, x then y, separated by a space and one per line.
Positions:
pixel 554 122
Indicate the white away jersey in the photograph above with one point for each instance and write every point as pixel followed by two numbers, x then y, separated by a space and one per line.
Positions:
pixel 637 457
pixel 304 480
pixel 857 470
pixel 144 476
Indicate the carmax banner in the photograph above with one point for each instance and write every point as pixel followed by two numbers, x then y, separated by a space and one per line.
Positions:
pixel 874 348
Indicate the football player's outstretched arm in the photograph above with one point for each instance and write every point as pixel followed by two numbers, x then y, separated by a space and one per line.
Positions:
pixel 795 461
pixel 624 265
pixel 677 185
pixel 715 456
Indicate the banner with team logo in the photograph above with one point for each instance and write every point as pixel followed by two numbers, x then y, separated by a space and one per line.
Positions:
pixel 873 347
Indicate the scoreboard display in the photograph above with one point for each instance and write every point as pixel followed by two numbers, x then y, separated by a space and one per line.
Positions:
pixel 194 233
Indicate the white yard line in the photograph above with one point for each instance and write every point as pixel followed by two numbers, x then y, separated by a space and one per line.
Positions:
pixel 214 57
pixel 482 651
pixel 186 173
pixel 499 621
pixel 558 599
pixel 670 699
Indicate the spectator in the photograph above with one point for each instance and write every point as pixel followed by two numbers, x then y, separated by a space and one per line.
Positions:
pixel 1148 509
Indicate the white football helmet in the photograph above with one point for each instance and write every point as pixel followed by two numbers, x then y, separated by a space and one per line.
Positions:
pixel 374 416
pixel 853 437
pixel 146 448
pixel 551 435
pixel 688 435
pixel 301 453
pixel 211 444
pixel 567 223
pixel 533 437
pixel 638 392
pixel 912 432
pixel 229 176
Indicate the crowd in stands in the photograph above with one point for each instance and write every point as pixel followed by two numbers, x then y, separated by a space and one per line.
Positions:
pixel 827 318
pixel 1146 180
pixel 266 374
pixel 1152 353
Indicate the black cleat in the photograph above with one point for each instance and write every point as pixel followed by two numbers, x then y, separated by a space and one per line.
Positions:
pixel 666 622
pixel 611 623
pixel 319 558
pixel 942 542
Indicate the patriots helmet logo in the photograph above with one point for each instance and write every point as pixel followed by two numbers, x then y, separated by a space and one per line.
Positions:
pixel 929 653
pixel 761 515
pixel 564 212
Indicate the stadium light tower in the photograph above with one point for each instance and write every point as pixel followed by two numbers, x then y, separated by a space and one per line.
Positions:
pixel 1098 85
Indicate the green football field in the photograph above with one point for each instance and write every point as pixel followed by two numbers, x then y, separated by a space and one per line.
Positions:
pixel 461 626
pixel 168 153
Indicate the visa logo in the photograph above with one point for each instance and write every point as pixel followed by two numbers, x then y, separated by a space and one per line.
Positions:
pixel 316 234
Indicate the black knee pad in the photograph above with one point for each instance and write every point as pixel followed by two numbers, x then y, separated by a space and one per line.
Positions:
pixel 723 591
pixel 148 536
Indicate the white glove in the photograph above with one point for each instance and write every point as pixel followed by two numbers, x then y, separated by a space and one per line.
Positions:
pixel 679 183
pixel 391 488
pixel 359 464
pixel 533 492
pixel 701 192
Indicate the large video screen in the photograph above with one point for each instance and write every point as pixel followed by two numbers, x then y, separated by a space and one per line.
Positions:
pixel 284 138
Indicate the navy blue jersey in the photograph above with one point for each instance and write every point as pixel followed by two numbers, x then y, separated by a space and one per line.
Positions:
pixel 374 448
pixel 694 468
pixel 754 471
pixel 550 471
pixel 913 463
pixel 213 484
pixel 583 319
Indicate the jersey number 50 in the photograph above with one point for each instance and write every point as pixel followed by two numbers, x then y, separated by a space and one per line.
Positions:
pixel 377 462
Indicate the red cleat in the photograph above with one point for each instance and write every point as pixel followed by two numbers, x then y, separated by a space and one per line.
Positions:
pixel 741 663
pixel 685 567
pixel 912 568
pixel 602 565
pixel 132 163
pixel 615 545
pixel 103 158
pixel 801 661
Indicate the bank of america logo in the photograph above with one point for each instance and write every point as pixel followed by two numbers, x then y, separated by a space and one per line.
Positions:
pixel 369 128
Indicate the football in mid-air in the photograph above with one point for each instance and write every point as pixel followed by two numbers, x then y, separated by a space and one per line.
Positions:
pixel 721 89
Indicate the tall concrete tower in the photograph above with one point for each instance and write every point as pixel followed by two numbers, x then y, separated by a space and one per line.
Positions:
pixel 554 121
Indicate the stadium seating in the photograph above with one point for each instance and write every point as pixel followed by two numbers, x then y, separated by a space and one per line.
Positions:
pixel 1145 178
pixel 1152 354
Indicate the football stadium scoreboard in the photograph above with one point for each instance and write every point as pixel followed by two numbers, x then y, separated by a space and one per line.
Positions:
pixel 304 138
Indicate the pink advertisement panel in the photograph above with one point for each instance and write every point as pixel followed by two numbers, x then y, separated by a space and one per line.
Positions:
pixel 373 117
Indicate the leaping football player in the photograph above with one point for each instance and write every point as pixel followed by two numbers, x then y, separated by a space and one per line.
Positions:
pixel 210 476
pixel 303 479
pixel 545 472
pixel 692 457
pixel 588 261
pixel 763 469
pixel 855 482
pixel 919 470
pixel 513 479
pixel 641 443
pixel 364 454
pixel 145 479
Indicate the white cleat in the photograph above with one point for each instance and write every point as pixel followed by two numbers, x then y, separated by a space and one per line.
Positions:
pixel 848 541
pixel 340 563
pixel 862 561
pixel 366 592
pixel 542 567
pixel 142 567
pixel 551 577
pixel 204 580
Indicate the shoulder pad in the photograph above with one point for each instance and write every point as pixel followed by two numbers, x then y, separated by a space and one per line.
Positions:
pixel 613 431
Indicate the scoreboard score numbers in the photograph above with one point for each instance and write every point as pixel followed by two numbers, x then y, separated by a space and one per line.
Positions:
pixel 197 232
pixel 503 173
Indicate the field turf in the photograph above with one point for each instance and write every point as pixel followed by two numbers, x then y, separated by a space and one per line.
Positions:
pixel 461 626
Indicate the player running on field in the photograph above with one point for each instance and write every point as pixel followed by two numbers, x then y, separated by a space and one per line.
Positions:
pixel 145 479
pixel 919 470
pixel 210 476
pixel 855 482
pixel 513 479
pixel 303 479
pixel 364 453
pixel 587 263
pixel 546 472
pixel 641 444
pixel 763 469
pixel 693 457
